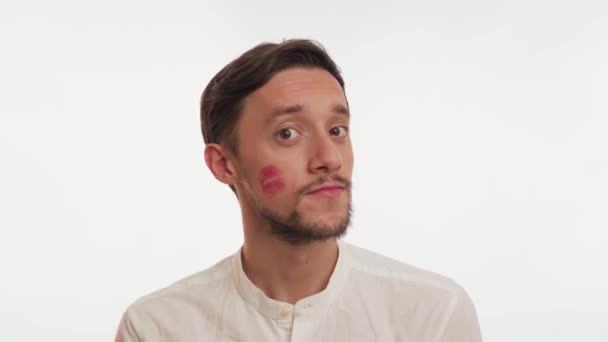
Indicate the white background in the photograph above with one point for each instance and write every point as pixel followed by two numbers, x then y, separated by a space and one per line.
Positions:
pixel 479 130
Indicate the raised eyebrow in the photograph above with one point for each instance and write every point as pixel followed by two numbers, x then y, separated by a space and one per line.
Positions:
pixel 283 110
pixel 340 109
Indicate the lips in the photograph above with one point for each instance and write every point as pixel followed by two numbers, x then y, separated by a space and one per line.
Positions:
pixel 327 189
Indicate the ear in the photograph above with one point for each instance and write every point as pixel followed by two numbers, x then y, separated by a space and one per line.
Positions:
pixel 219 163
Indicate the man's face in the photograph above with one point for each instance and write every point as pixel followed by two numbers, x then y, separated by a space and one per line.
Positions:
pixel 293 138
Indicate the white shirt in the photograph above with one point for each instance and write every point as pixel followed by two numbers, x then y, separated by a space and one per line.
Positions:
pixel 369 297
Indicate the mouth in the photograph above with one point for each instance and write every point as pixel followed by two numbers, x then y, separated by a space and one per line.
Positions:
pixel 331 191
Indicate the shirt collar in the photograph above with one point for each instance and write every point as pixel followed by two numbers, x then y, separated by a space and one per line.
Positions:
pixel 281 310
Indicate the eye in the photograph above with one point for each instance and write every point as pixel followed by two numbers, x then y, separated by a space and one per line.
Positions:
pixel 287 133
pixel 338 131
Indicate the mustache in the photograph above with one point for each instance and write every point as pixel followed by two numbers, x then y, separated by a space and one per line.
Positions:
pixel 345 182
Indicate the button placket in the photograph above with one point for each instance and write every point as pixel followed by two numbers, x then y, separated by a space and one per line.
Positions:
pixel 302 309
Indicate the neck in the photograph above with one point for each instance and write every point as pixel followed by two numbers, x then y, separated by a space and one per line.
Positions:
pixel 287 272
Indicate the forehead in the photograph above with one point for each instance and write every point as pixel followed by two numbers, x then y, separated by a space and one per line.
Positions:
pixel 307 88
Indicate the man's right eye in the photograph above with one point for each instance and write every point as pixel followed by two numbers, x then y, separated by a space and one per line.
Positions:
pixel 287 133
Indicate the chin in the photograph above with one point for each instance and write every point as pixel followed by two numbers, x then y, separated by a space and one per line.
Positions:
pixel 331 220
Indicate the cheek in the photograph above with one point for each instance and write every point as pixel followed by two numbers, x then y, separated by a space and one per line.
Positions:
pixel 271 180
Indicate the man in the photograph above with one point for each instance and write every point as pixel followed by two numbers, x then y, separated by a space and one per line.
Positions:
pixel 276 126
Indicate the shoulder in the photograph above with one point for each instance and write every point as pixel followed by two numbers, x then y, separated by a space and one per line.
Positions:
pixel 387 280
pixel 377 266
pixel 158 312
pixel 199 282
pixel 424 298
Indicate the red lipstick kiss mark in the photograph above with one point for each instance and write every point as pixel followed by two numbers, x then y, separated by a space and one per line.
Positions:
pixel 270 179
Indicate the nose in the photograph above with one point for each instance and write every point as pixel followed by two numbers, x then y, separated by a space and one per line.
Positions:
pixel 325 155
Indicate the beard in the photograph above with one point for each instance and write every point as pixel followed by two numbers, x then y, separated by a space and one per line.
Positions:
pixel 294 230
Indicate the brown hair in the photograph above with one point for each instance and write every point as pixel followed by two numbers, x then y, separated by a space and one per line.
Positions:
pixel 222 99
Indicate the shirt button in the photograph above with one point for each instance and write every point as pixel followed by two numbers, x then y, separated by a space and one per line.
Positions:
pixel 284 312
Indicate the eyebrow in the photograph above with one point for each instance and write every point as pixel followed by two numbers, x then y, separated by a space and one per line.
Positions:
pixel 284 110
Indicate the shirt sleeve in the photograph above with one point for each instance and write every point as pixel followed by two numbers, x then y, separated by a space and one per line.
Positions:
pixel 462 325
pixel 126 329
